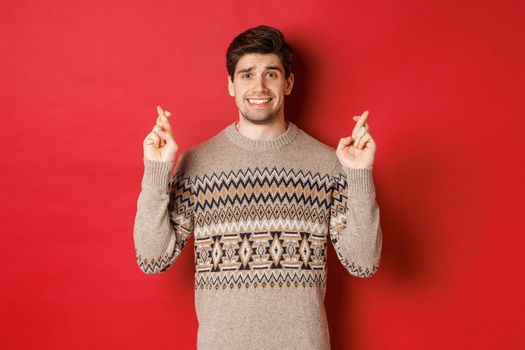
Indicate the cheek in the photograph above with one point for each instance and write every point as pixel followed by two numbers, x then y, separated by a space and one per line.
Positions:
pixel 239 91
pixel 279 88
pixel 238 97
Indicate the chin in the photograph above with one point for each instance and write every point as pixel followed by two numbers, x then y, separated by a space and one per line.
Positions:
pixel 264 119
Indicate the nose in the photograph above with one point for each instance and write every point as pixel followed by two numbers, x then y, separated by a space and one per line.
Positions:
pixel 260 84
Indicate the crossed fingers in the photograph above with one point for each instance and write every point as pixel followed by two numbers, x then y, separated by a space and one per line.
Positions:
pixel 162 120
pixel 162 124
pixel 360 133
pixel 361 121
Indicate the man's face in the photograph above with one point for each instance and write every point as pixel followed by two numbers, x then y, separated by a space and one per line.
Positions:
pixel 259 87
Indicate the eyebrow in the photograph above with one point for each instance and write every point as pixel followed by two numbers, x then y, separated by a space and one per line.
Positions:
pixel 246 70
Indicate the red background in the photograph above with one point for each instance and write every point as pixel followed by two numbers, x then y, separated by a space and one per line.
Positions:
pixel 444 83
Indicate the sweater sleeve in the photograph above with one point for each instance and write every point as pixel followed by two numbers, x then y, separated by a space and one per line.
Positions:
pixel 164 218
pixel 355 229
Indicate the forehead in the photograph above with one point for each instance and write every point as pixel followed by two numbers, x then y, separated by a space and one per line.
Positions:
pixel 259 60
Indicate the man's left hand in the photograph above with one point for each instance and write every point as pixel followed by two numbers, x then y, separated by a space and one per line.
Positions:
pixel 358 150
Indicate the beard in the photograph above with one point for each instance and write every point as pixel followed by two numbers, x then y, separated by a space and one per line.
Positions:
pixel 260 119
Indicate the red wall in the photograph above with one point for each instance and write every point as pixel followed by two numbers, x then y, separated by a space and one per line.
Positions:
pixel 444 83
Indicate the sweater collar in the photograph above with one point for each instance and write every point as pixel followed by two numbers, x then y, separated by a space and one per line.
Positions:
pixel 262 145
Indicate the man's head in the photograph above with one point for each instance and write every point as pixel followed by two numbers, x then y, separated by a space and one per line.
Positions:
pixel 263 40
pixel 259 64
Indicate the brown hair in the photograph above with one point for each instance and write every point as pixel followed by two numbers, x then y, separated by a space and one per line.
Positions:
pixel 262 39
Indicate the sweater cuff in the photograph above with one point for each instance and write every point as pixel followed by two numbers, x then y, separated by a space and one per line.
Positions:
pixel 156 173
pixel 360 180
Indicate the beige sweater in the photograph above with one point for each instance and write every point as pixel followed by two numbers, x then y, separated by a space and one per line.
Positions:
pixel 262 212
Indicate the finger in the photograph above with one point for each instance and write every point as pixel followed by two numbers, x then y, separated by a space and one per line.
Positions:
pixel 358 139
pixel 370 142
pixel 160 111
pixel 165 136
pixel 360 122
pixel 344 142
pixel 358 132
pixel 148 140
pixel 158 126
pixel 356 117
pixel 367 126
pixel 155 138
pixel 364 141
pixel 362 119
pixel 163 123
pixel 156 129
pixel 358 125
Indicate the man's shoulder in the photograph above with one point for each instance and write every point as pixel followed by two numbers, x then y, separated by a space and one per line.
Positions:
pixel 205 149
pixel 314 154
pixel 314 145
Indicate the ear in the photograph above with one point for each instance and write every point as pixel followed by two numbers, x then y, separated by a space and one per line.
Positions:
pixel 289 84
pixel 230 86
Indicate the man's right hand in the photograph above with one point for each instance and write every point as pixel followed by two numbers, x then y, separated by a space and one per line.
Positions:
pixel 159 144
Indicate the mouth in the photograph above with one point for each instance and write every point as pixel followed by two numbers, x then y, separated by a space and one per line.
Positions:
pixel 259 101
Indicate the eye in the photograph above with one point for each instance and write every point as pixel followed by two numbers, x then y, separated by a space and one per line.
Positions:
pixel 272 75
pixel 245 75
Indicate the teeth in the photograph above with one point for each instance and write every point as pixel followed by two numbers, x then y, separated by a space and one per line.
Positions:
pixel 258 101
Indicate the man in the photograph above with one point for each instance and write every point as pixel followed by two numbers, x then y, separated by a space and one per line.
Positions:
pixel 262 198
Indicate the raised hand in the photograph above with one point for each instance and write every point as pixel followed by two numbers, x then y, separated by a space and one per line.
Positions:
pixel 358 150
pixel 159 144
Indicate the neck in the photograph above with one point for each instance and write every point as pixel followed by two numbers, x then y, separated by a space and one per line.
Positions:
pixel 261 131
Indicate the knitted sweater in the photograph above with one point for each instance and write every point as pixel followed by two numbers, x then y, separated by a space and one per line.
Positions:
pixel 262 212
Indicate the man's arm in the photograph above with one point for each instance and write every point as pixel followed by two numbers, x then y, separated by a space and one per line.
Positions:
pixel 355 229
pixel 164 218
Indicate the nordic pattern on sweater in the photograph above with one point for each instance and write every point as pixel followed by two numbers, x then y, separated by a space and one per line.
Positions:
pixel 261 213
